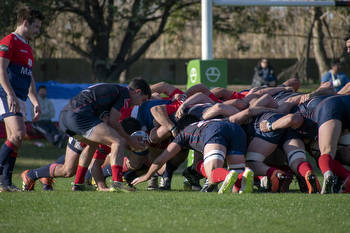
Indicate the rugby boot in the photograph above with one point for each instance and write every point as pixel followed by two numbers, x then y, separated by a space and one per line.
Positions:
pixel 28 183
pixel 287 179
pixel 82 187
pixel 247 181
pixel 228 183
pixel 328 183
pixel 47 183
pixel 153 183
pixel 13 188
pixel 117 186
pixel 302 183
pixel 275 181
pixel 193 178
pixel 345 188
pixel 165 183
pixel 207 188
pixel 312 183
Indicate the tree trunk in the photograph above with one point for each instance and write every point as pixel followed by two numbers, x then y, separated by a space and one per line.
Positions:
pixel 318 42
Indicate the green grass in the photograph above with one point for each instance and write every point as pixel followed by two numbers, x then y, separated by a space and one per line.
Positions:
pixel 152 211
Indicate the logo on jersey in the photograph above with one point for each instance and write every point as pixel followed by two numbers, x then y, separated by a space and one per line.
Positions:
pixel 30 62
pixel 4 48
pixel 26 71
pixel 23 51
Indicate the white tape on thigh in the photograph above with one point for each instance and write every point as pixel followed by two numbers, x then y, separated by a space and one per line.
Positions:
pixel 296 154
pixel 254 156
pixel 214 154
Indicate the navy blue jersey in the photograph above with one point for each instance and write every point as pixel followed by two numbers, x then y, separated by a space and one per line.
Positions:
pixel 223 132
pixel 144 115
pixel 198 110
pixel 99 99
pixel 282 96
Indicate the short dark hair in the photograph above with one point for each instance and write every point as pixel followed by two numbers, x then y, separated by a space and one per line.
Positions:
pixel 347 37
pixel 335 61
pixel 130 125
pixel 28 13
pixel 185 121
pixel 140 83
pixel 42 87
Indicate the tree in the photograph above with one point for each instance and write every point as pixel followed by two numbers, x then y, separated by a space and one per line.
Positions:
pixel 138 24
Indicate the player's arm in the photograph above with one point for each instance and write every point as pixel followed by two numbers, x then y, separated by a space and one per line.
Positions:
pixel 198 98
pixel 164 88
pixel 160 114
pixel 5 83
pixel 244 116
pixel 34 99
pixel 288 121
pixel 169 153
pixel 198 88
pixel 113 121
pixel 219 109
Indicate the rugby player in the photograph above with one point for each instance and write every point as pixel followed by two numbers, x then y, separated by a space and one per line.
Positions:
pixel 17 83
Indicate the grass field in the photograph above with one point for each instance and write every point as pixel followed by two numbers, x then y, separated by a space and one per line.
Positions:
pixel 152 211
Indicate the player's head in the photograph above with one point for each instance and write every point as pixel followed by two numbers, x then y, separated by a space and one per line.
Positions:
pixel 140 91
pixel 335 65
pixel 42 91
pixel 130 125
pixel 30 19
pixel 186 120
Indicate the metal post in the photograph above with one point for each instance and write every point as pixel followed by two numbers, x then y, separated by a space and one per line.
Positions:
pixel 207 30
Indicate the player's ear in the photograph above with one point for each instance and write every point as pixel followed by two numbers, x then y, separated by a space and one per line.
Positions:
pixel 138 91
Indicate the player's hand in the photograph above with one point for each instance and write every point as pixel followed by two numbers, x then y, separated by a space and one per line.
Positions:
pixel 180 111
pixel 140 179
pixel 13 103
pixel 37 112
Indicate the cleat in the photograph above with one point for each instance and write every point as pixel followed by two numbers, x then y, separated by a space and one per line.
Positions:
pixel 165 183
pixel 328 183
pixel 247 181
pixel 312 183
pixel 287 179
pixel 121 187
pixel 193 178
pixel 13 188
pixel 3 188
pixel 262 184
pixel 302 183
pixel 153 183
pixel 275 181
pixel 345 188
pixel 28 183
pixel 47 183
pixel 82 187
pixel 207 188
pixel 228 183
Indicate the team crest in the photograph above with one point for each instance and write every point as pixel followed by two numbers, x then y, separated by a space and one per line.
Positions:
pixel 4 48
pixel 30 62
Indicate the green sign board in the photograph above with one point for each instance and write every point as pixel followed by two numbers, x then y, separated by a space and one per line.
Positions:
pixel 212 73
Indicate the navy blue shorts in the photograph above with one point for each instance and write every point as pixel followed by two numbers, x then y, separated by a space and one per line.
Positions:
pixel 334 108
pixel 277 136
pixel 78 123
pixel 228 134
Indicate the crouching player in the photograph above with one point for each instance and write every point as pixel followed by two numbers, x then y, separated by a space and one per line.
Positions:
pixel 216 140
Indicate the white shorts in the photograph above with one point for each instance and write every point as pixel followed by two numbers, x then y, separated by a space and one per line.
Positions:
pixel 5 110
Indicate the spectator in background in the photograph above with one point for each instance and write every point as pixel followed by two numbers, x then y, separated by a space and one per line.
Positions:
pixel 338 79
pixel 45 125
pixel 264 74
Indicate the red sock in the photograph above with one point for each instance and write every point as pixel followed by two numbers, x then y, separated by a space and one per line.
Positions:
pixel 213 97
pixel 117 173
pixel 304 167
pixel 80 176
pixel 340 170
pixel 200 168
pixel 325 162
pixel 270 171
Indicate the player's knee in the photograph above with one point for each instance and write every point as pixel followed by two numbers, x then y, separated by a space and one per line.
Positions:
pixel 17 137
pixel 68 173
pixel 214 155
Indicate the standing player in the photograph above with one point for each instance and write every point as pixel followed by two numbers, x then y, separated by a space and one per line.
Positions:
pixel 17 83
